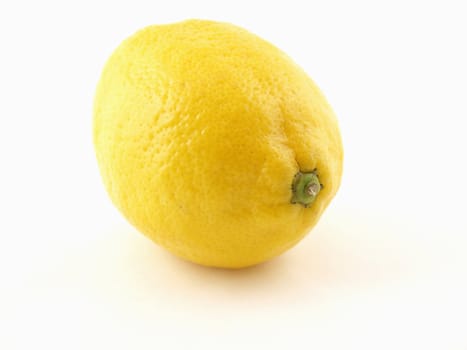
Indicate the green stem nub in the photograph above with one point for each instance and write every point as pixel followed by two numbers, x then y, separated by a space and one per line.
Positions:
pixel 305 188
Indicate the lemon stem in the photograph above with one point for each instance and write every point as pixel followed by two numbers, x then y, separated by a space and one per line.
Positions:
pixel 305 188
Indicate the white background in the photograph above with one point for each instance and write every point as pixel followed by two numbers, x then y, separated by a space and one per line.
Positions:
pixel 386 267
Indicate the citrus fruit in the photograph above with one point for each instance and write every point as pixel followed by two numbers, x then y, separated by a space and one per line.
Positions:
pixel 214 143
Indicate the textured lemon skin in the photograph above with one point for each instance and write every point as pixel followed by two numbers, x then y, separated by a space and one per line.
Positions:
pixel 199 129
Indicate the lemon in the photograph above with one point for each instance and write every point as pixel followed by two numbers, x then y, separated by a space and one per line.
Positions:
pixel 214 143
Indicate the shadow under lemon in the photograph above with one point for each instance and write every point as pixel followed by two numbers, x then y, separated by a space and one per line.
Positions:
pixel 345 251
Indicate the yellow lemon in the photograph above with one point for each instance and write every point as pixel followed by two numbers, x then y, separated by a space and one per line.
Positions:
pixel 214 143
